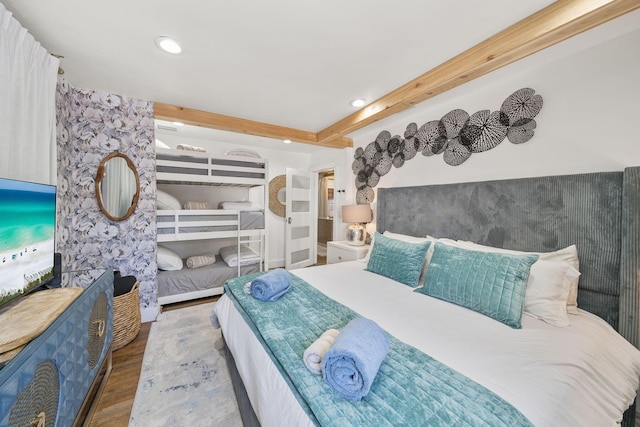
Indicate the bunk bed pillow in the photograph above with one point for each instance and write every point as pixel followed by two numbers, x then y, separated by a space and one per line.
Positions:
pixel 243 205
pixel 168 260
pixel 160 144
pixel 166 201
pixel 188 147
pixel 242 152
pixel 247 256
pixel 198 261
pixel 197 205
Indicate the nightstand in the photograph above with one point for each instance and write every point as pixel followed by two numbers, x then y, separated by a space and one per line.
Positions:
pixel 340 251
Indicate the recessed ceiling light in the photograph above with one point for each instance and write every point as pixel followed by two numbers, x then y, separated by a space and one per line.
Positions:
pixel 287 141
pixel 177 123
pixel 359 102
pixel 168 45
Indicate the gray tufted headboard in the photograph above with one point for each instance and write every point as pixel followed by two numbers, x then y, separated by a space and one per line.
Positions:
pixel 599 212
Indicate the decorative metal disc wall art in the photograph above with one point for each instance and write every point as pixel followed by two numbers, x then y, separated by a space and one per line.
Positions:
pixel 457 135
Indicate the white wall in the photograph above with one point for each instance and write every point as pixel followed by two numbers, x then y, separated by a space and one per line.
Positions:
pixel 278 161
pixel 589 121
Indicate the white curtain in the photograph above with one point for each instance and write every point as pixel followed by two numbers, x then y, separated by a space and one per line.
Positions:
pixel 28 76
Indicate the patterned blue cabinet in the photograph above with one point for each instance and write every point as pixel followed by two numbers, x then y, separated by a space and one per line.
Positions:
pixel 47 383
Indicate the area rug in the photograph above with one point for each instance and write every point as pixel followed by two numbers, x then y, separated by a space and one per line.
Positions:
pixel 185 379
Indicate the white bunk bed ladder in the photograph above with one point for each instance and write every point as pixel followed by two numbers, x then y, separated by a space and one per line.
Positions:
pixel 253 237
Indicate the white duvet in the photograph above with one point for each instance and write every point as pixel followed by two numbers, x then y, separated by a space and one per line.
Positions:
pixel 581 375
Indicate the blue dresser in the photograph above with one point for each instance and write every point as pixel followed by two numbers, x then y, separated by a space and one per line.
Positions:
pixel 48 382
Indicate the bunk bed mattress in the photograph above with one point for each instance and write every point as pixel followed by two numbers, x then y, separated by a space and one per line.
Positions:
pixel 584 374
pixel 251 220
pixel 199 279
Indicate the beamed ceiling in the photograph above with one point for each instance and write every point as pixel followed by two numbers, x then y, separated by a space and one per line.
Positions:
pixel 287 69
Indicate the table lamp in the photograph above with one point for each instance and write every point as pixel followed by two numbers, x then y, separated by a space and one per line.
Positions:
pixel 357 215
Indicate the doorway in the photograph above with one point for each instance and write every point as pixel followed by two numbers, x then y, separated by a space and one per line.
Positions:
pixel 326 212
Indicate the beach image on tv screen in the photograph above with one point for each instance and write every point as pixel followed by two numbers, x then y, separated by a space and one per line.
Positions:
pixel 27 226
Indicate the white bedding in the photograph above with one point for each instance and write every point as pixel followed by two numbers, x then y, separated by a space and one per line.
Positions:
pixel 581 375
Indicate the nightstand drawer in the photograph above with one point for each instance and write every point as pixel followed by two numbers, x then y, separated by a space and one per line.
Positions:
pixel 341 251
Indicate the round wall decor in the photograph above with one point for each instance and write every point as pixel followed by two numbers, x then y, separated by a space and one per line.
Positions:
pixel 277 195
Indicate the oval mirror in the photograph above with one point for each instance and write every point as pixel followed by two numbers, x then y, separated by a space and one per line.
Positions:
pixel 117 187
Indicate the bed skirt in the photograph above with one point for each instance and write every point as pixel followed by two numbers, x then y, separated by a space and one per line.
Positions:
pixel 247 414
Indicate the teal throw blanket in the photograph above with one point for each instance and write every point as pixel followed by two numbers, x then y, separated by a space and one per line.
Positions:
pixel 410 388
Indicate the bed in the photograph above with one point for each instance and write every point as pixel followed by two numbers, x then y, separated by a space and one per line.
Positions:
pixel 186 284
pixel 181 166
pixel 197 224
pixel 181 283
pixel 551 375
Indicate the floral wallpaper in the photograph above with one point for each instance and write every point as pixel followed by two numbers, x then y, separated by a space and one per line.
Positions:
pixel 91 125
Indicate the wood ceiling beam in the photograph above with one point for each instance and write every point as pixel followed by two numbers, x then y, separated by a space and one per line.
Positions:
pixel 235 124
pixel 553 24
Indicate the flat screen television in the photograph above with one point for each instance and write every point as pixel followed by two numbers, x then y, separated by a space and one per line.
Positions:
pixel 27 231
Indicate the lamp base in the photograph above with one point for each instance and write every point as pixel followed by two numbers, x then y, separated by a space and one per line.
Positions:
pixel 356 235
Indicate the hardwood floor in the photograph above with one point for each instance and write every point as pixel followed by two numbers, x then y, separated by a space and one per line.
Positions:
pixel 114 405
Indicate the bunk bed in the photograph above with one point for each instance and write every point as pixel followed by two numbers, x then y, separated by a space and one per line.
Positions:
pixel 242 225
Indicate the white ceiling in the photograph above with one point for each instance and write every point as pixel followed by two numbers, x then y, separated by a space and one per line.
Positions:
pixel 293 63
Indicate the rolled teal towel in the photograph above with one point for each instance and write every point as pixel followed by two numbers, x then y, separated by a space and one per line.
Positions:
pixel 351 364
pixel 272 285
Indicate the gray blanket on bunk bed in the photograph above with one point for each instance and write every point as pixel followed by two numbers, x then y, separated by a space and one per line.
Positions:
pixel 198 279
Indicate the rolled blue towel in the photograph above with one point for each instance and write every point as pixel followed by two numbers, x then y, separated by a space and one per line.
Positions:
pixel 272 285
pixel 351 364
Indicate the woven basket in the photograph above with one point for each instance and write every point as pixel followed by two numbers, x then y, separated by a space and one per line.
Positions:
pixel 126 317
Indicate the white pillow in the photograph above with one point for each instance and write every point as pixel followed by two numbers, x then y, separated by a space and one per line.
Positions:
pixel 244 205
pixel 197 205
pixel 160 144
pixel 548 289
pixel 166 201
pixel 242 152
pixel 168 260
pixel 568 254
pixel 247 255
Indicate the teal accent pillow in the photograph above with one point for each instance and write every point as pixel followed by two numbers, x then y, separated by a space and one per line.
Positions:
pixel 398 260
pixel 490 283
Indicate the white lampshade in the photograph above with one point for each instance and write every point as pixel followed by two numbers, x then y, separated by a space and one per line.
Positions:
pixel 356 213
